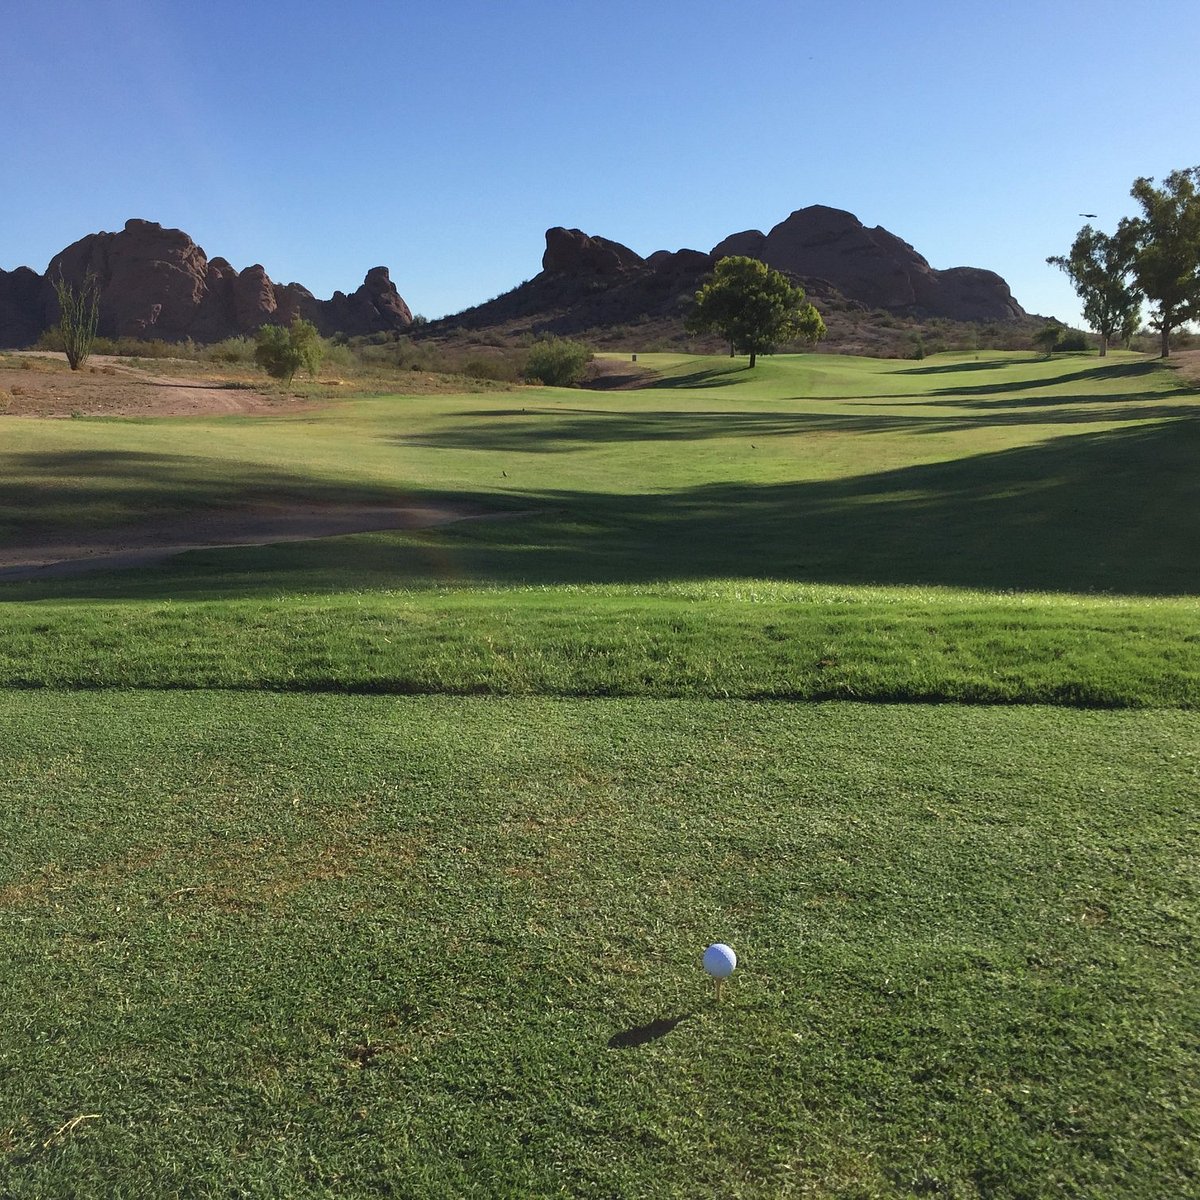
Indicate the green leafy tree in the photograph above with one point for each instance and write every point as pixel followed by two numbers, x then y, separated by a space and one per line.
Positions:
pixel 1099 268
pixel 1166 259
pixel 754 308
pixel 281 351
pixel 78 316
pixel 557 362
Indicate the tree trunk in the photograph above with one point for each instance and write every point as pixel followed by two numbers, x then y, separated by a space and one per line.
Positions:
pixel 1166 340
pixel 1103 345
pixel 753 356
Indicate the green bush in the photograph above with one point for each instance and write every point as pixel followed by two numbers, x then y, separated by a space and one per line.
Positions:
pixel 1073 339
pixel 281 352
pixel 230 350
pixel 557 362
pixel 502 368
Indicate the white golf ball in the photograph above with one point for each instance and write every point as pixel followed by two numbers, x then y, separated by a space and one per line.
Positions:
pixel 719 960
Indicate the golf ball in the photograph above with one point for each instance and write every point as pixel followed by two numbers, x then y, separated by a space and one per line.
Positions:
pixel 719 960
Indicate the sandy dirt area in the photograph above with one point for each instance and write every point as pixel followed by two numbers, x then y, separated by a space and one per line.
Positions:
pixel 36 384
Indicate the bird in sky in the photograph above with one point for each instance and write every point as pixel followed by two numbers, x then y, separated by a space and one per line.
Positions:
pixel 1089 214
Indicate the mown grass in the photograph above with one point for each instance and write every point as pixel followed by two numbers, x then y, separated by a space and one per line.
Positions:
pixel 265 934
pixel 305 945
pixel 880 506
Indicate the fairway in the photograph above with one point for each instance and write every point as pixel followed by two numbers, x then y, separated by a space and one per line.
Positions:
pixel 383 864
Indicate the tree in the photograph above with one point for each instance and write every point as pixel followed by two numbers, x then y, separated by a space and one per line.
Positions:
pixel 1166 259
pixel 1099 267
pixel 754 308
pixel 79 314
pixel 281 351
pixel 1047 337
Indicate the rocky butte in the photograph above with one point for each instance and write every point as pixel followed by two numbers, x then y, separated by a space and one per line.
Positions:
pixel 157 283
pixel 590 283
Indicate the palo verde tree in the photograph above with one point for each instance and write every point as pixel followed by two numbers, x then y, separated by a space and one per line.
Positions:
pixel 754 308
pixel 1166 258
pixel 1099 268
pixel 1046 338
pixel 78 316
pixel 281 351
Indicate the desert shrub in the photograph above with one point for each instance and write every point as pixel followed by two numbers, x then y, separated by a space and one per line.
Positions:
pixel 281 352
pixel 338 354
pixel 1073 339
pixel 78 316
pixel 131 347
pixel 503 368
pixel 229 350
pixel 557 362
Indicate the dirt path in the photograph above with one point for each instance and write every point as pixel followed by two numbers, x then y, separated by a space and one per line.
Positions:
pixel 153 541
pixel 40 384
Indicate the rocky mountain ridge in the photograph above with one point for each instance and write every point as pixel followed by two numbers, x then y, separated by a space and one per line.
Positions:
pixel 157 283
pixel 590 283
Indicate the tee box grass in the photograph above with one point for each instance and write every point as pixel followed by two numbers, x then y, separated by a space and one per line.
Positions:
pixel 383 865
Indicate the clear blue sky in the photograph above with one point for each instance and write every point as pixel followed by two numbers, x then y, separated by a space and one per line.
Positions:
pixel 441 140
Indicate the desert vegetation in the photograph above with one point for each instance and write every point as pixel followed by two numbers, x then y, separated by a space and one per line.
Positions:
pixel 385 861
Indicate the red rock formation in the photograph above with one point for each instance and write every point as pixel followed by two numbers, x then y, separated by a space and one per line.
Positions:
pixel 876 268
pixel 572 252
pixel 157 283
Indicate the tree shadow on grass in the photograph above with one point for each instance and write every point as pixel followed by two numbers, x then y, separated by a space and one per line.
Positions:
pixel 955 368
pixel 557 430
pixel 52 494
pixel 1110 511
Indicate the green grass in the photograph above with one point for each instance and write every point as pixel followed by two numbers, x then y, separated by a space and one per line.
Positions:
pixel 820 527
pixel 1047 476
pixel 382 865
pixel 352 945
pixel 743 640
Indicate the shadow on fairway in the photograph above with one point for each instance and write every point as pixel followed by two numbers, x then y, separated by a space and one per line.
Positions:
pixel 735 371
pixel 984 364
pixel 536 430
pixel 1110 511
pixel 51 494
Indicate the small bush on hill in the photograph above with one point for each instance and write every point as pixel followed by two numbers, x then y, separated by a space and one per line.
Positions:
pixel 231 350
pixel 503 368
pixel 282 352
pixel 557 362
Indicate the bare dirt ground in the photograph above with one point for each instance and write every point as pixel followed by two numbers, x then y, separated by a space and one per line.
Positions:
pixel 34 384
